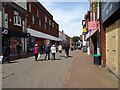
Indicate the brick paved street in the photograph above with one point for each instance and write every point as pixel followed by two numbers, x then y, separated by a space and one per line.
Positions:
pixel 26 73
pixel 83 74
pixel 76 71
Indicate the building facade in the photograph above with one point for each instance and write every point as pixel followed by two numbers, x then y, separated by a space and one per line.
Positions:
pixel 14 26
pixel 110 21
pixel 105 39
pixel 41 25
pixel 27 23
pixel 65 38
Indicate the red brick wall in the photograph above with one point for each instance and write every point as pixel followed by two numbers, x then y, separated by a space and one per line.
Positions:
pixel 103 45
pixel 42 14
pixel 91 46
pixel 10 11
pixel 103 40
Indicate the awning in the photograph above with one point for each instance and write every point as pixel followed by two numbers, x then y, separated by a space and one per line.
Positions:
pixel 90 33
pixel 42 35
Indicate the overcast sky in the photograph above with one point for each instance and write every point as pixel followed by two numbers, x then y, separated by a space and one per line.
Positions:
pixel 68 15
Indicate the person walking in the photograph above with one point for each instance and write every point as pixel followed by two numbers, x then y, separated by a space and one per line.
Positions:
pixel 67 50
pixel 36 51
pixel 53 51
pixel 60 49
pixel 6 53
pixel 18 48
pixel 47 51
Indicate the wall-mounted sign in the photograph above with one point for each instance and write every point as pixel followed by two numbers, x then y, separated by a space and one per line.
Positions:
pixel 84 30
pixel 93 25
pixel 5 31
pixel 108 8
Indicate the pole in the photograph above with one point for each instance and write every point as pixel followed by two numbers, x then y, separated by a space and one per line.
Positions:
pixel 0 28
pixel 0 44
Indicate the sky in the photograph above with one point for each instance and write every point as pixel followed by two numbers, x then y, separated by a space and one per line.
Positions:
pixel 68 15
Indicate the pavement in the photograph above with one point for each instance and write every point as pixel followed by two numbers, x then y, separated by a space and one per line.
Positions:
pixel 28 73
pixel 83 74
pixel 76 71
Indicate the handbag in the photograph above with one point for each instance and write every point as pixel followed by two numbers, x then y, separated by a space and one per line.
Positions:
pixel 39 55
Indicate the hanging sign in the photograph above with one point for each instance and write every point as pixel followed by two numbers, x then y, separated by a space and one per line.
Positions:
pixel 93 25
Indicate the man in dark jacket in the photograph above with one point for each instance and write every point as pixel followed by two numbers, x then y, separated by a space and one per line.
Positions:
pixel 6 53
pixel 47 51
pixel 67 47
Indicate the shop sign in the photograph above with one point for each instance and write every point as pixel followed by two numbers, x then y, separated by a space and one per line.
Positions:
pixel 108 8
pixel 93 25
pixel 5 31
pixel 84 30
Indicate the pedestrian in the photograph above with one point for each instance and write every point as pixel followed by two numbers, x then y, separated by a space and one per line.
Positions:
pixel 36 51
pixel 60 49
pixel 53 51
pixel 40 48
pixel 47 51
pixel 19 48
pixel 67 50
pixel 6 53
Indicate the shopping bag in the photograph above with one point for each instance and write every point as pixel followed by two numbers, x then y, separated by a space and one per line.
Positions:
pixel 39 56
pixel 1 59
pixel 65 55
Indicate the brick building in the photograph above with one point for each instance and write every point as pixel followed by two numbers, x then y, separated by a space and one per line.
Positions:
pixel 27 23
pixel 105 40
pixel 110 12
pixel 41 25
pixel 14 26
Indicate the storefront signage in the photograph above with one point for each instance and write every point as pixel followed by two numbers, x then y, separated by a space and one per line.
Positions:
pixel 108 8
pixel 93 25
pixel 84 30
pixel 5 31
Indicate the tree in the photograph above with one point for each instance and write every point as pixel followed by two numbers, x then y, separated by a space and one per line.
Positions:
pixel 75 39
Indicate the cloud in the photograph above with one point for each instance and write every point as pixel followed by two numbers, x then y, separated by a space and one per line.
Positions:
pixel 68 15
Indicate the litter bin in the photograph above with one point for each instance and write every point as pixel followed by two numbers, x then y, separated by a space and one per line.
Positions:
pixel 84 48
pixel 97 59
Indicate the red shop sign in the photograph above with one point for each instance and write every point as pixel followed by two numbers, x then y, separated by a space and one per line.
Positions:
pixel 93 25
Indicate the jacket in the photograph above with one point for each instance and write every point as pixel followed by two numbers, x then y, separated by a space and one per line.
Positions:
pixel 35 49
pixel 53 49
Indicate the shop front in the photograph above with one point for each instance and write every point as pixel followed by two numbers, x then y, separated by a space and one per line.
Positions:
pixel 42 38
pixel 11 38
pixel 110 21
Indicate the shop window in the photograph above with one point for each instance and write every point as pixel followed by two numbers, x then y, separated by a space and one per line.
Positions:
pixel 29 7
pixel 33 19
pixel 6 20
pixel 40 23
pixel 53 24
pixel 45 26
pixel 46 19
pixel 37 13
pixel 17 19
pixel 49 22
pixel 13 43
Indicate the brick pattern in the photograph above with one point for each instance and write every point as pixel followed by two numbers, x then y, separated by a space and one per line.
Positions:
pixel 35 6
pixel 10 11
pixel 102 40
pixel 103 45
